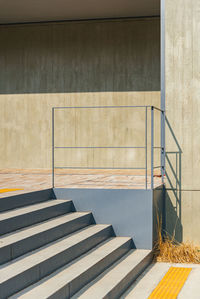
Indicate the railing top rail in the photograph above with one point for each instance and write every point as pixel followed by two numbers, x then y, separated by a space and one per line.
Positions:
pixel 117 106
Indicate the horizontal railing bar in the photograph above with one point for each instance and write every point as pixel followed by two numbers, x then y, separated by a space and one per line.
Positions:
pixel 96 147
pixel 157 166
pixel 98 168
pixel 98 107
pixel 94 107
pixel 158 147
pixel 99 174
pixel 106 185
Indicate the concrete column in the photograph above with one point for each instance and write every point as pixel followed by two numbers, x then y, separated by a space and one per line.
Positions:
pixel 182 62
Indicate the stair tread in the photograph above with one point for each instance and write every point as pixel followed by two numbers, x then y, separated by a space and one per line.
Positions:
pixel 24 233
pixel 31 208
pixel 23 263
pixel 110 278
pixel 55 281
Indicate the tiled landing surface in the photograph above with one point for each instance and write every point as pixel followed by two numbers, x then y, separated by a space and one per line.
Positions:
pixel 150 278
pixel 36 179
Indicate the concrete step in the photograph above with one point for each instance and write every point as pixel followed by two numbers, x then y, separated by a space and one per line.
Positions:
pixel 115 280
pixel 71 278
pixel 17 243
pixel 21 200
pixel 22 217
pixel 32 267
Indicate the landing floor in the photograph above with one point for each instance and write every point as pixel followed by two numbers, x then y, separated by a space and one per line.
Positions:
pixel 37 179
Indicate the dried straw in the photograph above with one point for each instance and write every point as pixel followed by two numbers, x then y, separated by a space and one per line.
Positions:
pixel 171 251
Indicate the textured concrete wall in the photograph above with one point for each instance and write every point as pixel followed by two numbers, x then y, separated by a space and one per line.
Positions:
pixel 183 121
pixel 70 64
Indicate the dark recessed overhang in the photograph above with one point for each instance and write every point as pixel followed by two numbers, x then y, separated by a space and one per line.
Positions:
pixel 22 11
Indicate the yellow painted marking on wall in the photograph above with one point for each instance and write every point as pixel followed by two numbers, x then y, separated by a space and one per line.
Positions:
pixel 8 190
pixel 171 284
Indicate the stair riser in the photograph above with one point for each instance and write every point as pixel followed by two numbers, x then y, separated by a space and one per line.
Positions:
pixel 14 250
pixel 21 200
pixel 74 286
pixel 130 278
pixel 39 271
pixel 34 217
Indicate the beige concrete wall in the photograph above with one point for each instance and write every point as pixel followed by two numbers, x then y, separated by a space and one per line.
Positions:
pixel 73 64
pixel 182 110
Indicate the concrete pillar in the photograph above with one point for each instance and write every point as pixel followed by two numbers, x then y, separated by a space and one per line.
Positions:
pixel 182 60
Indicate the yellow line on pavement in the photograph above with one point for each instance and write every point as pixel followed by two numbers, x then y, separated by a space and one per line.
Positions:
pixel 8 190
pixel 171 284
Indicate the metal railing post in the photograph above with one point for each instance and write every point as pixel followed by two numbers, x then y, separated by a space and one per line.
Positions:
pixel 53 148
pixel 146 147
pixel 152 146
pixel 162 79
pixel 162 145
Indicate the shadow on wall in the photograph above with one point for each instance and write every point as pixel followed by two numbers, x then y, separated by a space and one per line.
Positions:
pixel 173 225
pixel 80 57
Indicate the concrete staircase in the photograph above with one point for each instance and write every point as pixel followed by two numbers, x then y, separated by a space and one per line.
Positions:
pixel 48 250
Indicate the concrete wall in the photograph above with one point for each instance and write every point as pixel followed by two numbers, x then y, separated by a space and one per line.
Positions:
pixel 70 64
pixel 183 118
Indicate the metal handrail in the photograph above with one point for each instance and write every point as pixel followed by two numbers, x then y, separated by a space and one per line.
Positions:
pixel 162 148
pixel 92 147
pixel 117 106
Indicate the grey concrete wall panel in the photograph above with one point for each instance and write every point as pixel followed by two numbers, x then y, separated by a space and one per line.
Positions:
pixel 77 64
pixel 129 211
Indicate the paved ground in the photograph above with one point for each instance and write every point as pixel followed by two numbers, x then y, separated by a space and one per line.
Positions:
pixel 148 281
pixel 30 180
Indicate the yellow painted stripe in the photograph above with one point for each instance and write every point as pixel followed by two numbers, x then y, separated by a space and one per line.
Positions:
pixel 171 284
pixel 8 190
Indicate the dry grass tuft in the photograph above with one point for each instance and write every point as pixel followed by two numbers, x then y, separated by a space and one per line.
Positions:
pixel 170 251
